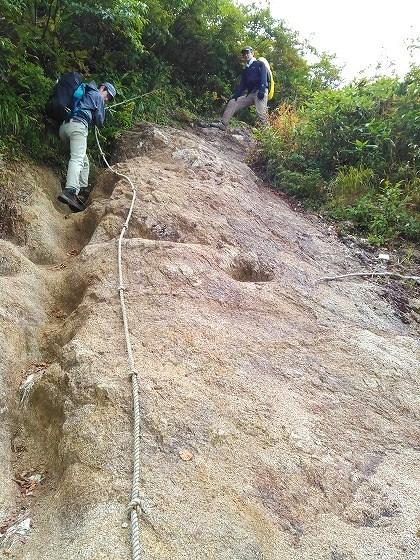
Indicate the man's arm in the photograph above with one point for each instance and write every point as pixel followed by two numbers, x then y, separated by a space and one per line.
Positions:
pixel 99 114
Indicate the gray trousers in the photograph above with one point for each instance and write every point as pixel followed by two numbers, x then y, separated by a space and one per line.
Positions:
pixel 246 101
pixel 74 134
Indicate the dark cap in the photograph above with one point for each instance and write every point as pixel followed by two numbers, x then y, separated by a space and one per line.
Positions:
pixel 247 50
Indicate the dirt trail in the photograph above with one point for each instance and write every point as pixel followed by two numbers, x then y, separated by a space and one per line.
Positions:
pixel 279 415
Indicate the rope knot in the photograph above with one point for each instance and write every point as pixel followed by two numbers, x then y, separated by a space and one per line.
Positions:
pixel 134 505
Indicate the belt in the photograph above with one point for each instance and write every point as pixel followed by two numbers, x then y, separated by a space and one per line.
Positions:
pixel 76 120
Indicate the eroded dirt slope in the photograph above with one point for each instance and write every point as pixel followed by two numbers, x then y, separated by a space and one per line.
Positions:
pixel 279 415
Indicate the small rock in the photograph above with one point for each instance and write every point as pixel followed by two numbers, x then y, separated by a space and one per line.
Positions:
pixel 36 478
pixel 185 455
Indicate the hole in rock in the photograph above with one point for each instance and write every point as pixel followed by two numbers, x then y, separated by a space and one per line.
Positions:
pixel 106 183
pixel 249 268
pixel 154 231
pixel 85 228
pixel 42 418
pixel 70 292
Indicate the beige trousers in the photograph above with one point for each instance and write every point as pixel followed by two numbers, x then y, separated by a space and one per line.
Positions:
pixel 74 134
pixel 246 101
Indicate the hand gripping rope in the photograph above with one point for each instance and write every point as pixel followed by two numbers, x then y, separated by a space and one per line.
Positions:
pixel 135 506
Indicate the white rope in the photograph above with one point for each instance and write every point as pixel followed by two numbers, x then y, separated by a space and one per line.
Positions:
pixel 353 274
pixel 135 506
pixel 111 107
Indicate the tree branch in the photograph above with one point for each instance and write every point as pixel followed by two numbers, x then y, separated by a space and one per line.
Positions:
pixel 353 274
pixel 48 20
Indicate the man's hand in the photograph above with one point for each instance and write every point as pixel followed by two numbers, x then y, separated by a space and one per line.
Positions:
pixel 261 95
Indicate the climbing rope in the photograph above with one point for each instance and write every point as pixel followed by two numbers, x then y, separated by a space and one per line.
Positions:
pixel 135 506
pixel 111 107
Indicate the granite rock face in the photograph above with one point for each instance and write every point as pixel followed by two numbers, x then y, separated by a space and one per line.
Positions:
pixel 279 414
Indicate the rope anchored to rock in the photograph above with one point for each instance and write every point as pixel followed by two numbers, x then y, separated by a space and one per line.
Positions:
pixel 135 506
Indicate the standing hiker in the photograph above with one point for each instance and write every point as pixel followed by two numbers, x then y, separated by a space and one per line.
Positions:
pixel 252 90
pixel 89 109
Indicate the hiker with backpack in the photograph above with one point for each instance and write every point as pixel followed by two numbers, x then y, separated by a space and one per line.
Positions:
pixel 77 106
pixel 253 89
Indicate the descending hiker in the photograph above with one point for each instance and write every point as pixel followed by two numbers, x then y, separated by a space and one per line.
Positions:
pixel 88 110
pixel 252 90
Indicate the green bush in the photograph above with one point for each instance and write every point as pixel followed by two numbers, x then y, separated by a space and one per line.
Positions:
pixel 355 153
pixel 381 216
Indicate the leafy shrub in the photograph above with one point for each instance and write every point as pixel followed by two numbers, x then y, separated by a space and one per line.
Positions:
pixel 384 215
pixel 284 121
pixel 354 152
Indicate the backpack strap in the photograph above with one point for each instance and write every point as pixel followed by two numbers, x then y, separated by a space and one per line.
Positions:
pixel 77 97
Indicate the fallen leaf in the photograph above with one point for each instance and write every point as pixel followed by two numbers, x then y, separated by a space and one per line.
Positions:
pixel 28 482
pixel 7 523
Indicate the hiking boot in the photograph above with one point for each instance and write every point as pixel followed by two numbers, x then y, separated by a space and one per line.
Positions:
pixel 83 196
pixel 68 196
pixel 219 125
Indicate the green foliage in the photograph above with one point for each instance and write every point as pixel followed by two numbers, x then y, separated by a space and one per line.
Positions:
pixel 363 141
pixel 382 215
pixel 350 184
pixel 187 50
